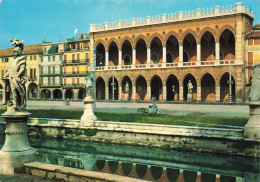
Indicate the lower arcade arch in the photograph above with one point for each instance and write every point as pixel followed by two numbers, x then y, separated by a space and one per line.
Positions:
pixel 100 89
pixel 32 91
pixel 57 94
pixel 208 89
pixel 113 88
pixel 224 88
pixel 172 85
pixel 189 77
pixel 69 94
pixel 45 94
pixel 81 94
pixel 156 88
pixel 126 90
pixel 141 88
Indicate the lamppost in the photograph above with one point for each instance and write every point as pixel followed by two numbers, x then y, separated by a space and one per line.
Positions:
pixel 113 84
pixel 230 82
pixel 95 58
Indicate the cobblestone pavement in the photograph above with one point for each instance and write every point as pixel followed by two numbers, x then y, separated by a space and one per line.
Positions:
pixel 164 108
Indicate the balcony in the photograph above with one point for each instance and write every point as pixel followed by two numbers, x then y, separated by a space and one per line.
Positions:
pixel 50 85
pixel 50 74
pixel 171 65
pixel 74 73
pixel 75 62
pixel 73 85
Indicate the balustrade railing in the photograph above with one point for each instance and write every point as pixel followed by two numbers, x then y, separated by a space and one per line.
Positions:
pixel 170 65
pixel 74 85
pixel 74 73
pixel 239 8
pixel 76 61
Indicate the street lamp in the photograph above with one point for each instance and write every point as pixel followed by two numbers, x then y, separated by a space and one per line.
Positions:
pixel 113 84
pixel 230 82
pixel 101 62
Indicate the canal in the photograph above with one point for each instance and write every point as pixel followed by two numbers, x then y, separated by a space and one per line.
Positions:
pixel 146 163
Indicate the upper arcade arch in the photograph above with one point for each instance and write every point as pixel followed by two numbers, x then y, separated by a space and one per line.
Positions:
pixel 138 38
pixel 124 40
pixel 186 33
pixel 204 31
pixel 99 42
pixel 112 41
pixel 170 34
pixel 154 37
pixel 224 28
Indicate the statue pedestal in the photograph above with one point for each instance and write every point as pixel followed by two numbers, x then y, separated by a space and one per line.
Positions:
pixel 16 150
pixel 126 96
pixel 88 117
pixel 252 128
pixel 189 98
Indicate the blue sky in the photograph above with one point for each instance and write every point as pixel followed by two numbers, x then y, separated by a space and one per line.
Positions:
pixel 54 20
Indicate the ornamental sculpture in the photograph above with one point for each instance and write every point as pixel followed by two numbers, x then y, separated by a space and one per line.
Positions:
pixel 15 91
pixel 88 85
pixel 254 94
pixel 190 87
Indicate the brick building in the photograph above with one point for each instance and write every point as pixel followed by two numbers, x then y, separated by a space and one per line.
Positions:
pixel 158 56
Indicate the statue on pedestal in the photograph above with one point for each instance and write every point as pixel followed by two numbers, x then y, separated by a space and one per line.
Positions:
pixel 252 128
pixel 15 80
pixel 254 94
pixel 88 85
pixel 126 91
pixel 190 87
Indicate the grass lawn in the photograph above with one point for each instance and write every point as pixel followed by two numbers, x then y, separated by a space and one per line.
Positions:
pixel 166 119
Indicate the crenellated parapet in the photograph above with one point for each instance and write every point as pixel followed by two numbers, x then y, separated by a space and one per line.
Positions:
pixel 174 17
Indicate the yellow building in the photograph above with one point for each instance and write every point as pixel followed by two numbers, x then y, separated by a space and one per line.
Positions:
pixel 75 67
pixel 252 53
pixel 32 55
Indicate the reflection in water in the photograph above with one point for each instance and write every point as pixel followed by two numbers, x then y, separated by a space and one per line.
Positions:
pixel 147 163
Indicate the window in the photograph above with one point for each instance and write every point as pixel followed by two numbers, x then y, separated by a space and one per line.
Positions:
pixel 53 58
pixel 127 60
pixel 31 58
pixel 49 58
pixel 2 74
pixel 34 57
pixel 78 57
pixel 49 70
pixel 250 60
pixel 78 81
pixel 73 56
pixel 65 58
pixel 53 81
pixel 49 81
pixel 44 50
pixel 87 56
pixel 60 57
pixel 41 59
pixel 6 60
pixel 41 71
pixel 53 69
pixel 31 73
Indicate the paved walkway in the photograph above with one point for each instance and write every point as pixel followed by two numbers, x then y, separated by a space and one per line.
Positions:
pixel 165 108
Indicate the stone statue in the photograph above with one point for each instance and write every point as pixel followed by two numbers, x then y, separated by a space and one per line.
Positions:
pixel 88 85
pixel 190 87
pixel 15 78
pixel 127 91
pixel 254 94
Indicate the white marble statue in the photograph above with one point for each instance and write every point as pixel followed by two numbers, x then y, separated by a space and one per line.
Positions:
pixel 190 87
pixel 88 85
pixel 15 91
pixel 254 94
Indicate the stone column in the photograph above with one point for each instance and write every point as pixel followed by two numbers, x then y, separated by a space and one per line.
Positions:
pixel 252 128
pixel 198 92
pixel 76 94
pixel 164 54
pixel 181 92
pixel 217 51
pixel 134 56
pixel 148 55
pixel 120 57
pixel 180 53
pixel 106 92
pixel 148 92
pixel 120 92
pixel 63 94
pixel 164 93
pixel 107 58
pixel 218 93
pixel 134 93
pixel 16 150
pixel 39 93
pixel 198 52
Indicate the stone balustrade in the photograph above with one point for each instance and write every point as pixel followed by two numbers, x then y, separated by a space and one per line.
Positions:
pixel 171 65
pixel 204 13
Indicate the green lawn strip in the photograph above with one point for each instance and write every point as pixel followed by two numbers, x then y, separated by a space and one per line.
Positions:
pixel 165 119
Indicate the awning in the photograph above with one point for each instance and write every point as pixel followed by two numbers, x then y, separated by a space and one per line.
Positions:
pixel 53 49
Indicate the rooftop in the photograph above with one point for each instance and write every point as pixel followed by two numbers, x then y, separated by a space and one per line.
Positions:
pixel 29 49
pixel 180 16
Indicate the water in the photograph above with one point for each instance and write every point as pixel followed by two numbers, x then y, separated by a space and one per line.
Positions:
pixel 147 163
